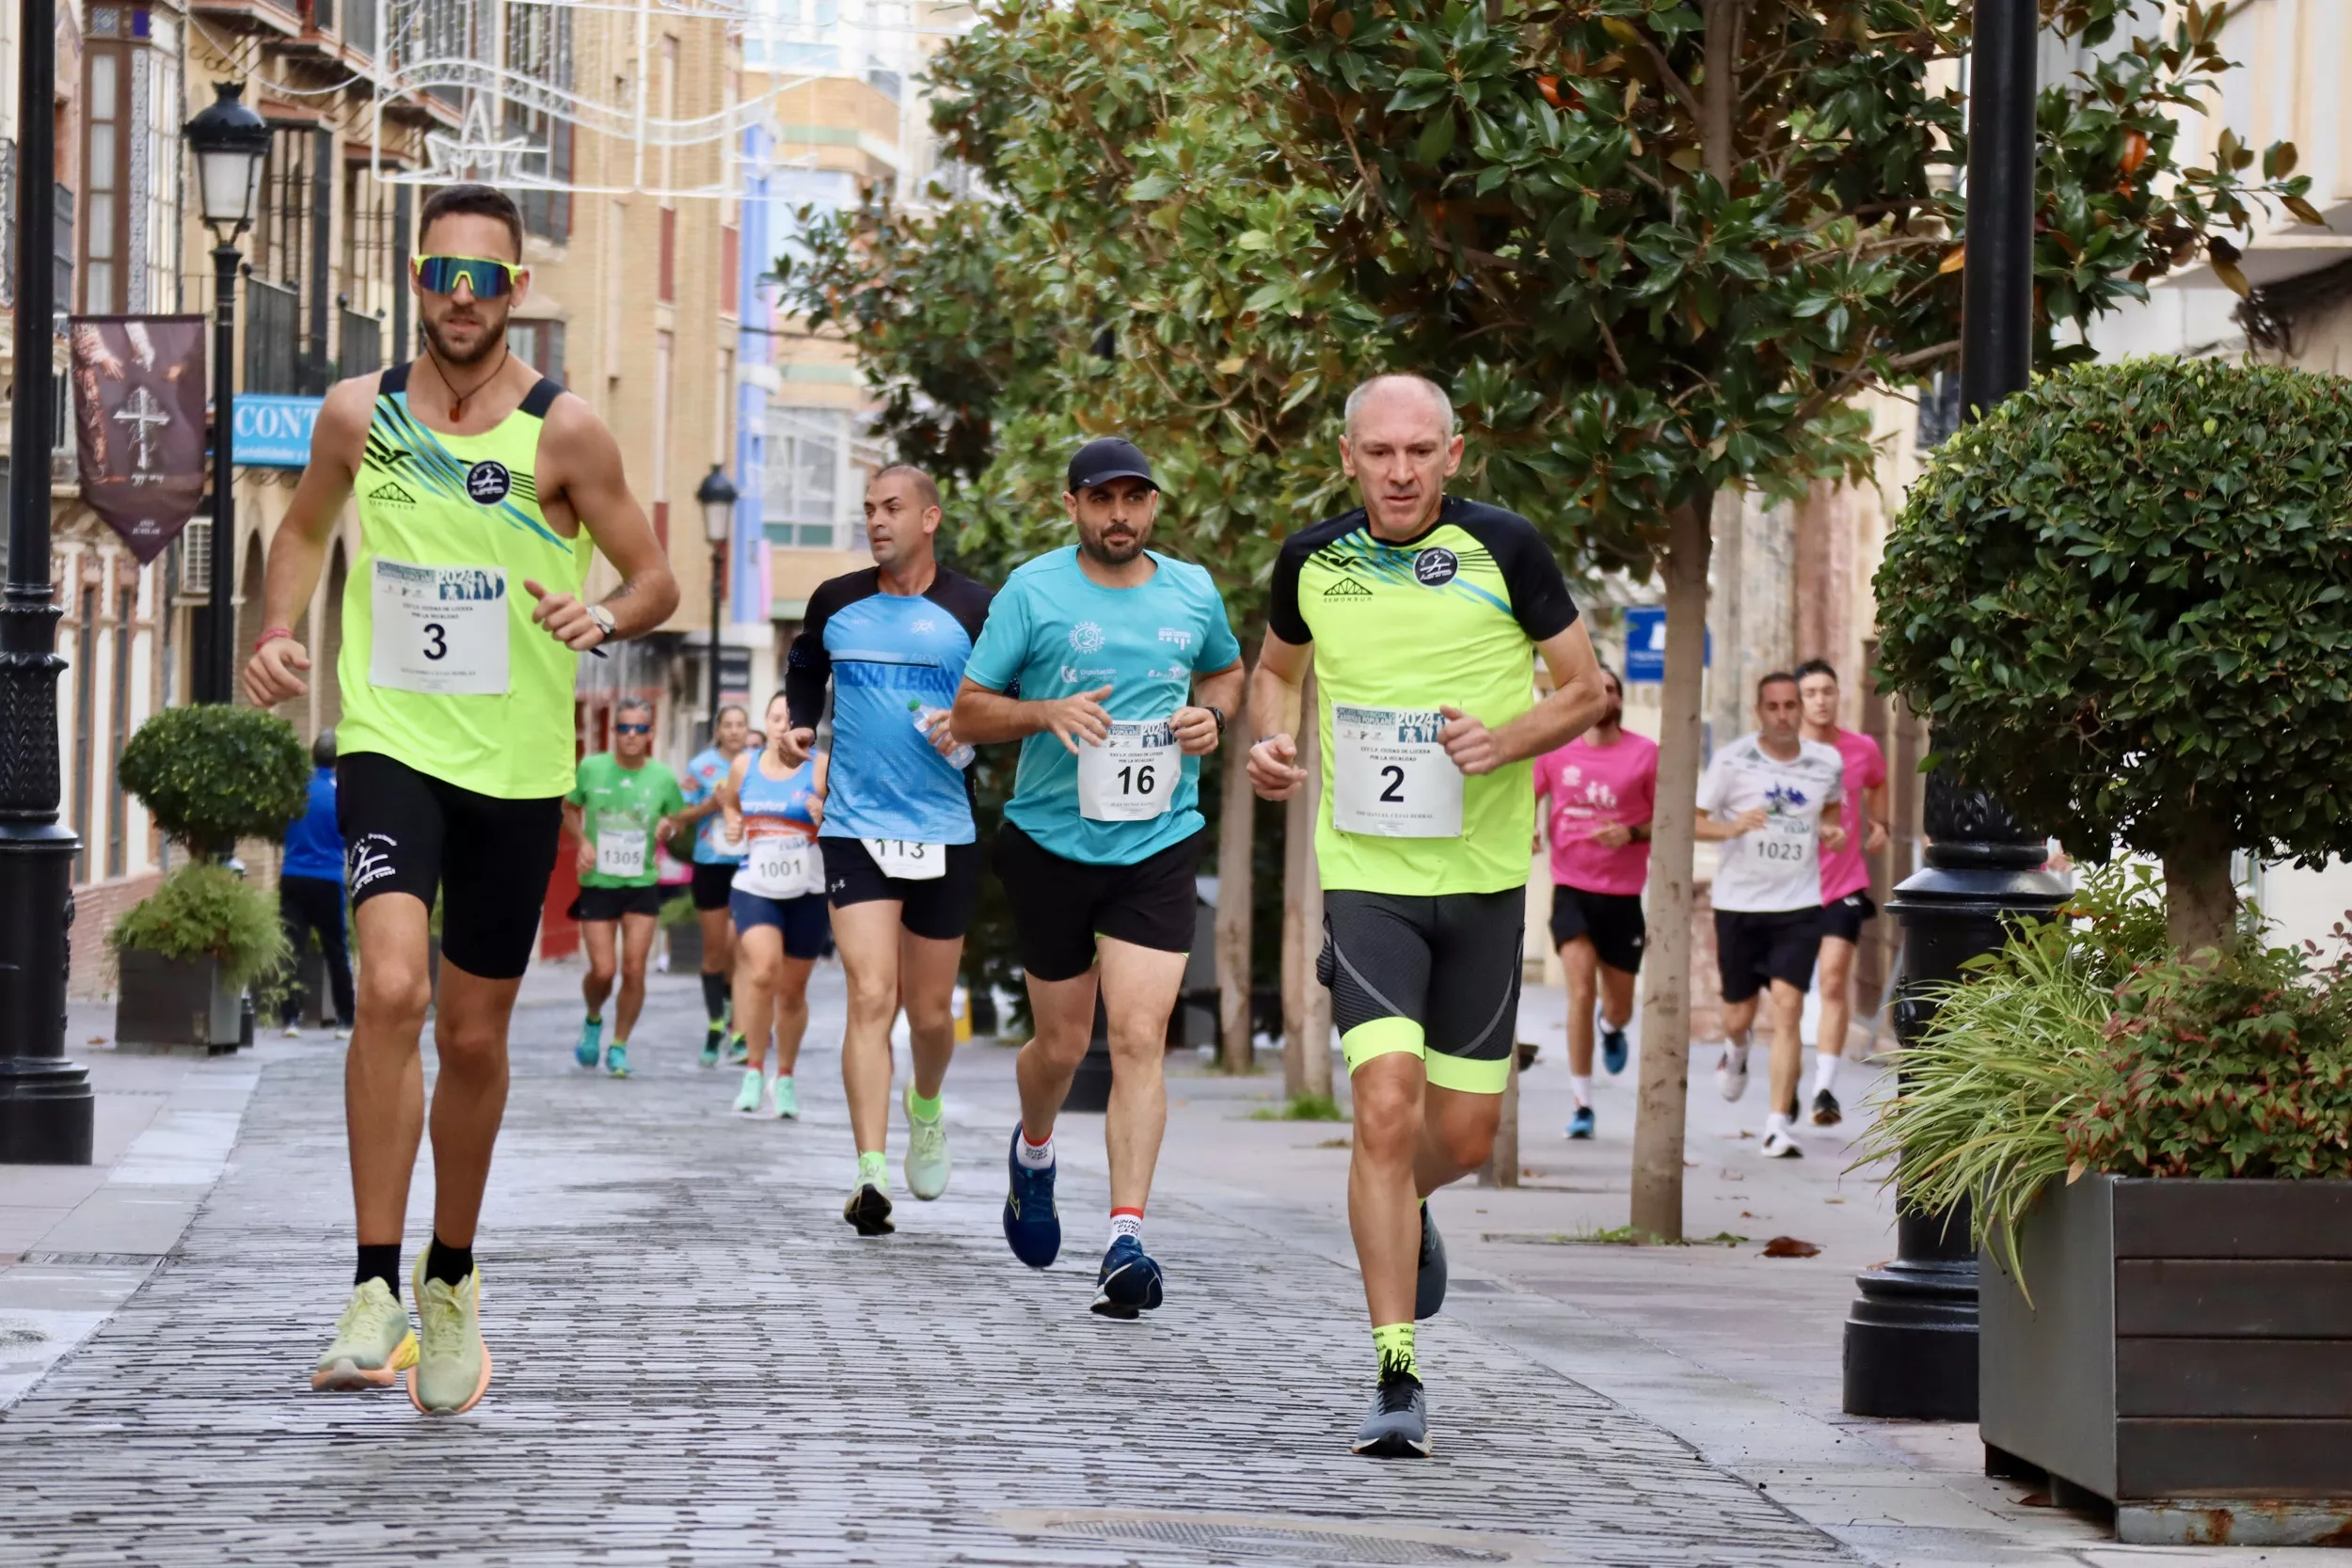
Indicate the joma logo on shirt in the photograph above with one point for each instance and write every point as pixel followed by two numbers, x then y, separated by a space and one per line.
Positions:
pixel 1347 588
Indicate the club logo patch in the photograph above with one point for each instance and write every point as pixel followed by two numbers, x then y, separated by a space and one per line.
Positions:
pixel 1434 567
pixel 488 482
pixel 1086 638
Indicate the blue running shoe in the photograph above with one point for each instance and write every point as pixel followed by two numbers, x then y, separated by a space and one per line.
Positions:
pixel 591 1046
pixel 1129 1283
pixel 616 1060
pixel 1612 1050
pixel 1581 1124
pixel 1031 1226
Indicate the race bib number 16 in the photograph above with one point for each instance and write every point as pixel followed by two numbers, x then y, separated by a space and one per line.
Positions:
pixel 1390 777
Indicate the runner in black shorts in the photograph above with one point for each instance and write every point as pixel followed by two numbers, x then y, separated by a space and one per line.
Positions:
pixel 624 805
pixel 1846 904
pixel 715 864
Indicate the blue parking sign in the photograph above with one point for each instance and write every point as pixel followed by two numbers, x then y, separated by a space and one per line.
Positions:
pixel 1646 643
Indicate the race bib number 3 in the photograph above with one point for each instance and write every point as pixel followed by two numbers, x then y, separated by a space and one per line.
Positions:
pixel 621 852
pixel 1390 777
pixel 440 630
pixel 902 861
pixel 1132 776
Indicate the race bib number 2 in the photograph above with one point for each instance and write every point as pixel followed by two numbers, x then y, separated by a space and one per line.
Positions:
pixel 439 631
pixel 1132 776
pixel 1390 777
pixel 903 861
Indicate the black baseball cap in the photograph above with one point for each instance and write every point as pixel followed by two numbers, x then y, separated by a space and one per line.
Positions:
pixel 1102 460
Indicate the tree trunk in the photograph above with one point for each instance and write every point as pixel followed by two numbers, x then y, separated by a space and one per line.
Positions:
pixel 1236 836
pixel 2200 897
pixel 1666 961
pixel 1302 925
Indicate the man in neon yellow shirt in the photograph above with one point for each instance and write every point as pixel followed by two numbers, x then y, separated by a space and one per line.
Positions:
pixel 1424 614
pixel 481 487
pixel 621 810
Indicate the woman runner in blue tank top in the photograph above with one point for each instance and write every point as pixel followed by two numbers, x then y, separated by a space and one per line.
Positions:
pixel 772 812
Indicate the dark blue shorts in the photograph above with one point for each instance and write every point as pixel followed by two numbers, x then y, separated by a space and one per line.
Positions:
pixel 804 921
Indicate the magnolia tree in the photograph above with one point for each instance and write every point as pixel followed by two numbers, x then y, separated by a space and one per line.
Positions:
pixel 2122 599
pixel 1656 245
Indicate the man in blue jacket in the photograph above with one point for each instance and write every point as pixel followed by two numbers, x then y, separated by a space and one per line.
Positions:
pixel 311 891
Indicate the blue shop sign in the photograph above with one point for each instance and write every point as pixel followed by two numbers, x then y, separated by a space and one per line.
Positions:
pixel 1646 643
pixel 272 430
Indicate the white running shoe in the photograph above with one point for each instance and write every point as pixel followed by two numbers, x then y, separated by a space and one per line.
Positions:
pixel 753 1085
pixel 1780 1139
pixel 927 1152
pixel 293 1031
pixel 1731 1073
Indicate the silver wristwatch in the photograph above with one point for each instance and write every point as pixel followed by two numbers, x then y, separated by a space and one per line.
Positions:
pixel 603 618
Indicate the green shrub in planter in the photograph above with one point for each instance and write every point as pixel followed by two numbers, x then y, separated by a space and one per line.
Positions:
pixel 207 911
pixel 2123 598
pixel 215 774
pixel 2087 1045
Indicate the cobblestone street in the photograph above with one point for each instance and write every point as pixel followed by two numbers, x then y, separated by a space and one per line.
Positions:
pixel 698 1362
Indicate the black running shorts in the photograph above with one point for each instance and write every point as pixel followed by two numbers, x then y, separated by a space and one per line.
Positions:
pixel 1435 974
pixel 1612 922
pixel 1060 905
pixel 488 859
pixel 939 907
pixel 1844 918
pixel 1752 949
pixel 601 906
pixel 713 882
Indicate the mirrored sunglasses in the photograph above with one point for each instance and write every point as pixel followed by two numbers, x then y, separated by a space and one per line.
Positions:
pixel 632 729
pixel 487 278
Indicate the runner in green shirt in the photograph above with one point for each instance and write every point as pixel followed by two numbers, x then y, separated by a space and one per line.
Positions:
pixel 620 809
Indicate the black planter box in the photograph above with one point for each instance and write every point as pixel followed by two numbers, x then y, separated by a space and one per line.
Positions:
pixel 2186 1356
pixel 174 1005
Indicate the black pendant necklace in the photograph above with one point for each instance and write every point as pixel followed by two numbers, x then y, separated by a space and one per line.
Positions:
pixel 456 399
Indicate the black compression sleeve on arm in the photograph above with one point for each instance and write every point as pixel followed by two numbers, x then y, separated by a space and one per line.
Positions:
pixel 808 667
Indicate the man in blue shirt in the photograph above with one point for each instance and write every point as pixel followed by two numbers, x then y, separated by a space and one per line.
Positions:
pixel 311 892
pixel 1116 669
pixel 715 864
pixel 902 857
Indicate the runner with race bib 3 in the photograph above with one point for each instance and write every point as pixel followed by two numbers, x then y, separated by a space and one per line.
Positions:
pixel 1424 615
pixel 902 856
pixel 772 811
pixel 1115 667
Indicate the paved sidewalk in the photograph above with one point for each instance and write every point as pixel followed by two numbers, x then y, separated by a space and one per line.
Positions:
pixel 700 1362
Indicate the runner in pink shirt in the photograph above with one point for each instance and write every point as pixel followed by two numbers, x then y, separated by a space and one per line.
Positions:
pixel 1599 790
pixel 1845 878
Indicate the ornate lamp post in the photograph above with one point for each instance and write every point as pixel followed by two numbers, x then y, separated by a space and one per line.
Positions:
pixel 230 141
pixel 716 497
pixel 1911 1335
pixel 45 1102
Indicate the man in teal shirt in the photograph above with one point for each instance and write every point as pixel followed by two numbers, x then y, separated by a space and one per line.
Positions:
pixel 1125 669
pixel 621 806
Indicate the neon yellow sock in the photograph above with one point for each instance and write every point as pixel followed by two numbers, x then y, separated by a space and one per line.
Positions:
pixel 873 1169
pixel 1394 1342
pixel 922 1109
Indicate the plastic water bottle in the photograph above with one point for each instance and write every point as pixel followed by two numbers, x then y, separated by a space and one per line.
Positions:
pixel 961 757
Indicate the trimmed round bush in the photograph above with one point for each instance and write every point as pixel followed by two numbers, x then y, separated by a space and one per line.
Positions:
pixel 214 773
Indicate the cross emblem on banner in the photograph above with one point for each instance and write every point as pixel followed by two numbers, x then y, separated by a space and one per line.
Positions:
pixel 143 414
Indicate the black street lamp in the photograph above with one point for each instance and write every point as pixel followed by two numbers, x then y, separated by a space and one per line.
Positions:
pixel 1911 1335
pixel 716 497
pixel 230 142
pixel 45 1104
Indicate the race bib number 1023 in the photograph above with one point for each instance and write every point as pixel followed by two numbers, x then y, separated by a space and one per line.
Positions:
pixel 439 631
pixel 1390 777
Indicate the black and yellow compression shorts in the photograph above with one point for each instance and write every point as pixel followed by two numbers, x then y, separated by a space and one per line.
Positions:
pixel 1435 975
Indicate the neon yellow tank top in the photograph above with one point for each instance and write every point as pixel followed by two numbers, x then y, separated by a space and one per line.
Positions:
pixel 441 667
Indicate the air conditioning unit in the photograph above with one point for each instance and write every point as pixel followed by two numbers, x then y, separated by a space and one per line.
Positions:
pixel 195 562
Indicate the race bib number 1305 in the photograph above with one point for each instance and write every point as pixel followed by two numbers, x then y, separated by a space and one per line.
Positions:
pixel 1390 777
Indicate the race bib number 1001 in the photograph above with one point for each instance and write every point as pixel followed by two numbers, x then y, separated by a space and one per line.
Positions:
pixel 903 861
pixel 784 866
pixel 1390 777
pixel 1132 776
pixel 440 630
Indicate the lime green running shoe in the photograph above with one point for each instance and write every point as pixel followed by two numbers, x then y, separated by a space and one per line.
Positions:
pixel 747 1098
pixel 927 1152
pixel 452 1365
pixel 788 1099
pixel 373 1345
pixel 616 1059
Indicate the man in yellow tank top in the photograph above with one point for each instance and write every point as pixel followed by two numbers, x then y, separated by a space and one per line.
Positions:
pixel 481 488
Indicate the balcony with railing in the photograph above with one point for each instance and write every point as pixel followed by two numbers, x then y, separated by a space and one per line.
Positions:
pixel 273 338
pixel 359 344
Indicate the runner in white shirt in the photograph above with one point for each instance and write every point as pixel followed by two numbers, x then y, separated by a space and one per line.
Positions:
pixel 1773 800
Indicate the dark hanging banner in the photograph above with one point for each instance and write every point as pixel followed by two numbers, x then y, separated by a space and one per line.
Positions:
pixel 139 413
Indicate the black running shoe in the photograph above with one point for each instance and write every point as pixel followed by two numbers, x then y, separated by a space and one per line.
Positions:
pixel 869 1210
pixel 1398 1426
pixel 1825 1110
pixel 1429 1284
